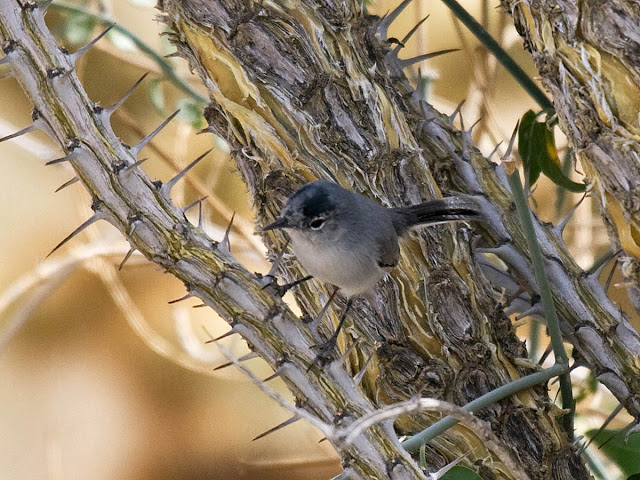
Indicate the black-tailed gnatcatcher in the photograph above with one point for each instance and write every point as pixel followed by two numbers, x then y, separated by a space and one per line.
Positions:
pixel 350 241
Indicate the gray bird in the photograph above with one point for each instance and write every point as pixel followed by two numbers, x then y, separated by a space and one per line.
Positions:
pixel 348 240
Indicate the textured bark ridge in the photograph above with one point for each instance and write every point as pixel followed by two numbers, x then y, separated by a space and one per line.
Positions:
pixel 305 86
pixel 304 90
pixel 588 53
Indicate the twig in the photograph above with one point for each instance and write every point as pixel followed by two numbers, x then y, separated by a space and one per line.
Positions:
pixel 553 324
pixel 479 427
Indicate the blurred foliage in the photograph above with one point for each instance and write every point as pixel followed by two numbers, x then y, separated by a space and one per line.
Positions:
pixel 624 451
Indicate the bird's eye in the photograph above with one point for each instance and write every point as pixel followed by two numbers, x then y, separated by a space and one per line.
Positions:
pixel 317 223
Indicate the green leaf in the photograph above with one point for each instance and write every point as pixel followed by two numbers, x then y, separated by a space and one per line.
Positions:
pixel 143 3
pixel 527 147
pixel 78 29
pixel 626 455
pixel 156 95
pixel 635 476
pixel 537 148
pixel 191 113
pixel 461 473
pixel 121 40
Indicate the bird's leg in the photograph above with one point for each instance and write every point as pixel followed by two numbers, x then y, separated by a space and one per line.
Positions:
pixel 327 346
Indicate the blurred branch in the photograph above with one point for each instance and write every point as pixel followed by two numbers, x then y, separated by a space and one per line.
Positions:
pixel 36 285
pixel 159 60
pixel 240 224
pixel 503 57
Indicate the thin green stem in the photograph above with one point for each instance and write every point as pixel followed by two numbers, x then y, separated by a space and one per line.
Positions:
pixel 413 443
pixel 501 55
pixel 534 339
pixel 165 66
pixel 553 324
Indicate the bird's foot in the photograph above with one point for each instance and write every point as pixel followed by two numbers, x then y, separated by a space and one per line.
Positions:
pixel 324 352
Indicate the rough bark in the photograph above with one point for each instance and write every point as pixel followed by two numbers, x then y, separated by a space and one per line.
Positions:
pixel 588 54
pixel 308 90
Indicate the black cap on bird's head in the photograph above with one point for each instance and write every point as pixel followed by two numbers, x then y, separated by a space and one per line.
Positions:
pixel 308 207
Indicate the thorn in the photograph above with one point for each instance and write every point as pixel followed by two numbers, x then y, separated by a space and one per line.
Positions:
pixel 96 216
pixel 440 473
pixel 318 317
pixel 470 131
pixel 193 204
pixel 622 430
pixel 383 27
pixel 166 188
pixel 291 420
pixel 128 168
pixel 6 74
pixel 426 56
pixel 134 224
pixel 244 358
pixel 408 36
pixel 599 264
pixel 493 152
pixel 66 184
pixel 534 310
pixel 126 257
pixel 200 215
pixel 136 150
pixel 78 53
pixel 187 296
pixel 66 158
pixel 225 245
pixel 507 154
pixel 343 358
pixel 233 331
pixel 281 290
pixel 276 374
pixel 545 354
pixel 457 110
pixel 44 6
pixel 28 129
pixel 358 378
pixel 5 59
pixel 109 111
pixel 276 264
pixel 563 224
pixel 607 283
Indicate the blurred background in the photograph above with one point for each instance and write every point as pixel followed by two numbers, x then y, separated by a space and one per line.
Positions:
pixel 101 377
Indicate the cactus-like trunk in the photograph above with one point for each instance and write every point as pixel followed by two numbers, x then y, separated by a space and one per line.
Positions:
pixel 588 54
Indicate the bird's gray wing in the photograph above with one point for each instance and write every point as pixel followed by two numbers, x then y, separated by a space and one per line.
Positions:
pixel 388 252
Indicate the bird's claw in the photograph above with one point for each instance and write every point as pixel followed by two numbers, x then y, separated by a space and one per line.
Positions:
pixel 324 353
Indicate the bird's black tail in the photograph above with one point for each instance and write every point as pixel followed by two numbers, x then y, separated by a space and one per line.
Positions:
pixel 449 209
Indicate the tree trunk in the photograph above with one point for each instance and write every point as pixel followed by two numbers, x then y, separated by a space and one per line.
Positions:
pixel 588 54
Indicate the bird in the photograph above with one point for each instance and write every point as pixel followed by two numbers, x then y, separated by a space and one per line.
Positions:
pixel 348 240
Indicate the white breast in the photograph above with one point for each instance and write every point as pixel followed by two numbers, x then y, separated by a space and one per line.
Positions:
pixel 354 274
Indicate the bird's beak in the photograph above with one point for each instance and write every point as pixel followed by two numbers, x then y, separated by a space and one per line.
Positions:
pixel 279 223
